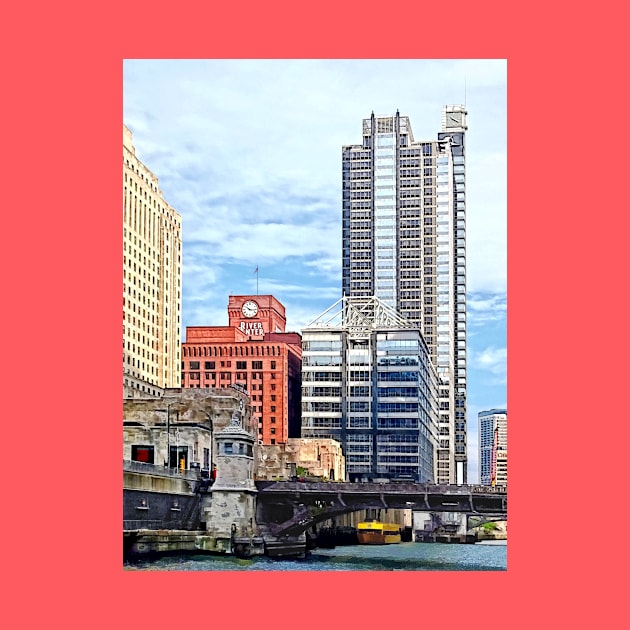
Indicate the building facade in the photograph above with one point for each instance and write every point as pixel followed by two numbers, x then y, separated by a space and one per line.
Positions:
pixel 368 382
pixel 177 430
pixel 318 457
pixel 255 354
pixel 493 447
pixel 152 280
pixel 404 241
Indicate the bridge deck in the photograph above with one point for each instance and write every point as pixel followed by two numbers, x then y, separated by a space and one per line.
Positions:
pixel 291 506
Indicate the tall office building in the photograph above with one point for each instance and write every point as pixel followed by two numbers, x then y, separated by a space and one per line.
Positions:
pixel 152 280
pixel 368 382
pixel 493 447
pixel 404 241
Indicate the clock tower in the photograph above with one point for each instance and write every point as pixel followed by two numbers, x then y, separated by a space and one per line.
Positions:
pixel 454 118
pixel 256 315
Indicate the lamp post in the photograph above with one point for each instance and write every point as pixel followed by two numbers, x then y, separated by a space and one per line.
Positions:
pixel 210 422
pixel 168 432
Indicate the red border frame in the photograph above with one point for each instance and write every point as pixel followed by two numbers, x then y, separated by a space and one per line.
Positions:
pixel 63 558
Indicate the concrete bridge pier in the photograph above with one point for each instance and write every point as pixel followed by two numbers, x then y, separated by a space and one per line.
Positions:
pixel 229 510
pixel 284 544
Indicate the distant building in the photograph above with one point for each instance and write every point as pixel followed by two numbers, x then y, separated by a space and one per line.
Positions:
pixel 253 353
pixel 368 382
pixel 319 457
pixel 404 242
pixel 493 447
pixel 152 280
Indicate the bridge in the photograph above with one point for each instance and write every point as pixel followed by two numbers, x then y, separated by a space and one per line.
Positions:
pixel 289 508
pixel 167 509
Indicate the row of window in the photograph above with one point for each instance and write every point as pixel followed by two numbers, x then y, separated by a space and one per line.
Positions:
pixel 240 365
pixel 249 350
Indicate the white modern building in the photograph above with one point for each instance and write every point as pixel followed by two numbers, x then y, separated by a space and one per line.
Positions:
pixel 368 382
pixel 404 241
pixel 152 280
pixel 493 447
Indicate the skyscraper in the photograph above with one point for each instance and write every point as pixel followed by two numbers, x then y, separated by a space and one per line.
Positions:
pixel 404 242
pixel 493 447
pixel 152 280
pixel 368 382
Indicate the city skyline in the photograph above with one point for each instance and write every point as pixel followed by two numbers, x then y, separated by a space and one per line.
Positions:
pixel 248 152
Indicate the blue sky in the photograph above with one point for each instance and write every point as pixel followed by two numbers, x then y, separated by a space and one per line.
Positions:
pixel 249 153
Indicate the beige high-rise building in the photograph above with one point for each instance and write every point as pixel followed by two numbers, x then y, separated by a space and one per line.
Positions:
pixel 152 280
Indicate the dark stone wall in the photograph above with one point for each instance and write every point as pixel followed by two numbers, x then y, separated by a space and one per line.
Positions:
pixel 143 509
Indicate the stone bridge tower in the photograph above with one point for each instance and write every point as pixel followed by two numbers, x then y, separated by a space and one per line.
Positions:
pixel 230 508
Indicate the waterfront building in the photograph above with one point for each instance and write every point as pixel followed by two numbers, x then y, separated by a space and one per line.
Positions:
pixel 404 241
pixel 493 447
pixel 152 280
pixel 368 382
pixel 253 353
pixel 321 458
pixel 177 430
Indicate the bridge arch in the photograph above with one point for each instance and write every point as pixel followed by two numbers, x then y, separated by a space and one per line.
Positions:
pixel 291 508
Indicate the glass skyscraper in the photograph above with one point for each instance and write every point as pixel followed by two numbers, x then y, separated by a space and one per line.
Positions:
pixel 368 382
pixel 404 242
pixel 493 447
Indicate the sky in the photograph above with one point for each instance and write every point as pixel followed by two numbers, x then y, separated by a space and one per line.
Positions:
pixel 249 153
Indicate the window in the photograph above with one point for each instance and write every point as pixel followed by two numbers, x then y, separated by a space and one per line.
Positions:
pixel 209 365
pixel 273 408
pixel 194 365
pixel 273 365
pixel 241 365
pixel 256 365
pixel 273 430
pixel 178 457
pixel 141 453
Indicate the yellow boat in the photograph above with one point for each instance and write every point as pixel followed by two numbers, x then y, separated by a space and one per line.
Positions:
pixel 377 533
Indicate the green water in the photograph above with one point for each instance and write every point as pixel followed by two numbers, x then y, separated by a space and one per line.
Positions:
pixel 408 556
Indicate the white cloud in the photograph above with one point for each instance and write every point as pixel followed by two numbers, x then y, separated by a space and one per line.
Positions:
pixel 492 361
pixel 483 309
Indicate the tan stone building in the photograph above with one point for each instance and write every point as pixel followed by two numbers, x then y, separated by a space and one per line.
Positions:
pixel 178 430
pixel 319 457
pixel 152 280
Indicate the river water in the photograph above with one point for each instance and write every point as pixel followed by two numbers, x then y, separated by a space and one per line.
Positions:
pixel 408 556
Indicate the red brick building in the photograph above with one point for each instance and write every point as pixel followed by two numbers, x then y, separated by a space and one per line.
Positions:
pixel 255 353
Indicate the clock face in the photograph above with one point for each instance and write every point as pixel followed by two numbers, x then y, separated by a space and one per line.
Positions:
pixel 453 119
pixel 250 308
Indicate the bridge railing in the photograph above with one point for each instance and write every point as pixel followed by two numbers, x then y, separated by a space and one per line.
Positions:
pixel 394 488
pixel 159 471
